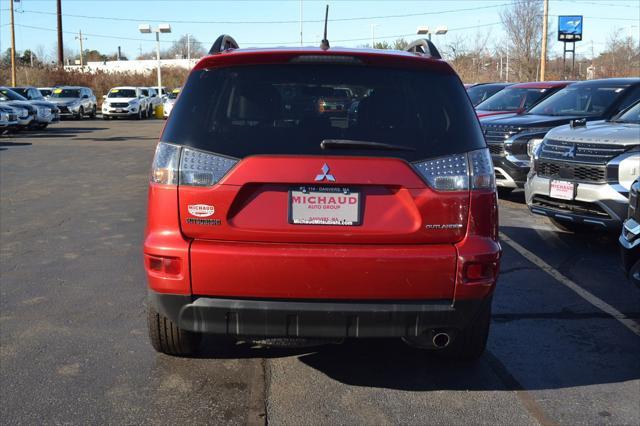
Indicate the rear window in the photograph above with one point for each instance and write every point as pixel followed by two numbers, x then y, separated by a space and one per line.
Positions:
pixel 291 109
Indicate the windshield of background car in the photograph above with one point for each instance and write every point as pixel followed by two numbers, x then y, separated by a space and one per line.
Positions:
pixel 122 93
pixel 585 100
pixel 173 95
pixel 20 91
pixel 10 95
pixel 631 116
pixel 279 109
pixel 144 92
pixel 45 92
pixel 65 93
pixel 512 99
pixel 480 93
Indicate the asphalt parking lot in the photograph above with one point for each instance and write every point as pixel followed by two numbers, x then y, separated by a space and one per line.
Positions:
pixel 564 346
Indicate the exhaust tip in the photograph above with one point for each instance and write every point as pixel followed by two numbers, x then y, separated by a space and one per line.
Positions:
pixel 441 340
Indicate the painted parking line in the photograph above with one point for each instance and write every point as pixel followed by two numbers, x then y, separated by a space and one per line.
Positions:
pixel 592 299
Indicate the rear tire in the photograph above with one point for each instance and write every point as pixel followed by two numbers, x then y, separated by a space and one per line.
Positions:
pixel 167 338
pixel 471 342
pixel 139 116
pixel 504 192
pixel 93 112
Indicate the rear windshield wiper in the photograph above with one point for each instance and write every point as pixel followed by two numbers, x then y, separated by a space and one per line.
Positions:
pixel 350 143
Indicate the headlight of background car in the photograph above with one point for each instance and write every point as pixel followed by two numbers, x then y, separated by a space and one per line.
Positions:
pixel 533 146
pixel 629 167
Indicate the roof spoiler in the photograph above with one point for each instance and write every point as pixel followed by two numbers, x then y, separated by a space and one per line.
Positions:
pixel 222 43
pixel 424 47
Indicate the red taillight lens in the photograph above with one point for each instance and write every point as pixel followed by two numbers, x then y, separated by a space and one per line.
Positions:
pixel 474 272
pixel 170 266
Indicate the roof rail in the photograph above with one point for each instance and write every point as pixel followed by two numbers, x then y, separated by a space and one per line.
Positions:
pixel 222 43
pixel 425 47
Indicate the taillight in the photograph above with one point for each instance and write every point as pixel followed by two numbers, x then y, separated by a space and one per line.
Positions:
pixel 165 164
pixel 199 168
pixel 481 171
pixel 173 164
pixel 459 172
pixel 449 173
pixel 161 265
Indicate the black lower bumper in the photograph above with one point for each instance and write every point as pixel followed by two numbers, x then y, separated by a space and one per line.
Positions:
pixel 292 318
pixel 516 173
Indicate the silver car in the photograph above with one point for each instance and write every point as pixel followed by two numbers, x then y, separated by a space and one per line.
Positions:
pixel 74 101
pixel 8 118
pixel 582 172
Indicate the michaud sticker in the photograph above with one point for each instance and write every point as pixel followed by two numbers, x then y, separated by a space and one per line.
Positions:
pixel 324 207
pixel 201 210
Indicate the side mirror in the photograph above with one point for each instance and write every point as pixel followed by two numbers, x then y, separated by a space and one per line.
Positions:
pixel 85 96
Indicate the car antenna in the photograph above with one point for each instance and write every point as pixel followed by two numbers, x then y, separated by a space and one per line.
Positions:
pixel 324 44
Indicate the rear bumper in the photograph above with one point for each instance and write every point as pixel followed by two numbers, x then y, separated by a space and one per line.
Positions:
pixel 293 318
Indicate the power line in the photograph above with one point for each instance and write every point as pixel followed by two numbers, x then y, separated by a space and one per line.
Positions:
pixel 360 18
pixel 605 18
pixel 251 43
pixel 597 3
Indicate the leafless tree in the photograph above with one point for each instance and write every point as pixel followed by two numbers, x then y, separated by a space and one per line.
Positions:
pixel 180 48
pixel 522 22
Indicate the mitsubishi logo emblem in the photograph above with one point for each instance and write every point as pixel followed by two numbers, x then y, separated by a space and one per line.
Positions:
pixel 571 153
pixel 325 175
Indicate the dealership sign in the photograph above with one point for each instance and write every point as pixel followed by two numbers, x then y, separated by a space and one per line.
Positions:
pixel 569 28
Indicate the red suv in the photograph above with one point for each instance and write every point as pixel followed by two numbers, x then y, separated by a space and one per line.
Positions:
pixel 269 216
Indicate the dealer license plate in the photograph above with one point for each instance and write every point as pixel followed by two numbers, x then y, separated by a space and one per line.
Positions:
pixel 324 206
pixel 561 189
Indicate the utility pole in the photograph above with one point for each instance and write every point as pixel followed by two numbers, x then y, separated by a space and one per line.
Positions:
pixel 373 35
pixel 60 46
pixel 543 57
pixel 507 70
pixel 79 37
pixel 13 48
pixel 159 63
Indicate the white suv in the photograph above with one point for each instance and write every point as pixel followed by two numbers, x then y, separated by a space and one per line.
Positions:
pixel 151 93
pixel 125 101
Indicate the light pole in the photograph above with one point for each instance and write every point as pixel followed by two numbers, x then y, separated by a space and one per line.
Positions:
pixel 162 28
pixel 373 35
pixel 441 30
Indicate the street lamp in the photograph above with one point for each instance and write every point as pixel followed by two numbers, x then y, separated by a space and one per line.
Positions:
pixel 162 28
pixel 441 30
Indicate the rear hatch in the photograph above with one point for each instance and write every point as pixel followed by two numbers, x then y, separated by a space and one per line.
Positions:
pixel 263 162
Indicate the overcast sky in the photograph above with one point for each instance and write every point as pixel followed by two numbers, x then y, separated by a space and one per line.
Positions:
pixel 107 24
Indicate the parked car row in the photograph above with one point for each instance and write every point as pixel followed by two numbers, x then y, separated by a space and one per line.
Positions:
pixel 137 102
pixel 34 108
pixel 576 153
pixel 19 113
